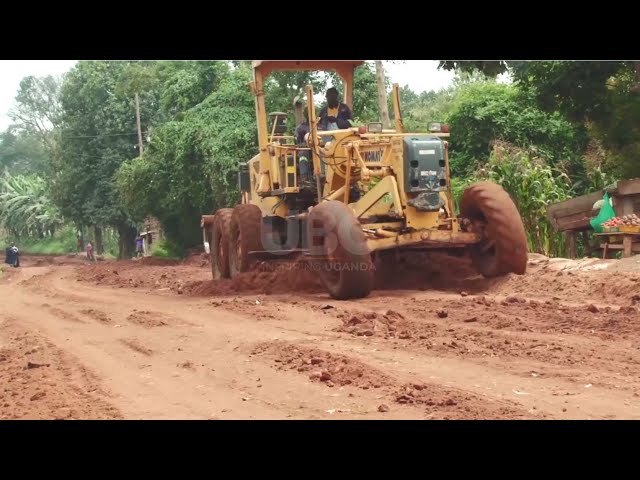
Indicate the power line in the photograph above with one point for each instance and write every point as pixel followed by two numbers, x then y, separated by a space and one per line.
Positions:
pixel 97 136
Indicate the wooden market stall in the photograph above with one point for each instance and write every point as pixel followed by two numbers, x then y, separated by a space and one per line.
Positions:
pixel 147 240
pixel 573 216
pixel 151 233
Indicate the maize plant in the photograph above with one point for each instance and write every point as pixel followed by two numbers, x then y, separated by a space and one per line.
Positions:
pixel 533 185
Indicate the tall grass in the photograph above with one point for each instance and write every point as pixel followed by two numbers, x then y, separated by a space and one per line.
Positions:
pixel 533 185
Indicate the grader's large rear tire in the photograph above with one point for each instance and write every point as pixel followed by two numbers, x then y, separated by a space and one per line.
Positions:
pixel 220 243
pixel 504 246
pixel 244 237
pixel 339 251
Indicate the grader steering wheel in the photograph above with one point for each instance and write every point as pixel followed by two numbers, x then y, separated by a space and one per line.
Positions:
pixel 334 155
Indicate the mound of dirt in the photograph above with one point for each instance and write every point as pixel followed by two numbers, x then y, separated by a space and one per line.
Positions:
pixel 577 279
pixel 423 271
pixel 197 258
pixel 268 278
pixel 322 366
pixel 450 404
pixel 161 275
pixel 599 280
pixel 420 271
pixel 334 370
pixel 147 319
pixel 424 394
pixel 157 262
pixel 369 324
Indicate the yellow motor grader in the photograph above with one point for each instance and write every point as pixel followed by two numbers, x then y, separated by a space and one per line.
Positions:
pixel 344 198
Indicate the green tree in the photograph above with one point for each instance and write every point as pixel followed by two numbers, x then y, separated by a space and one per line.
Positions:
pixel 490 68
pixel 426 107
pixel 97 135
pixel 487 111
pixel 22 152
pixel 27 145
pixel 185 84
pixel 38 108
pixel 190 166
pixel 281 87
pixel 602 95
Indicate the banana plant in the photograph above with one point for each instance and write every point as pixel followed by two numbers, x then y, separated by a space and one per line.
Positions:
pixel 25 207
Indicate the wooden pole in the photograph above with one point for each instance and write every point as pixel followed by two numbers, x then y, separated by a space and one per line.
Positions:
pixel 382 95
pixel 138 123
pixel 571 237
pixel 627 244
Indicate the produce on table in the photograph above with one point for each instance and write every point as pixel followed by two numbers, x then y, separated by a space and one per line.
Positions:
pixel 631 220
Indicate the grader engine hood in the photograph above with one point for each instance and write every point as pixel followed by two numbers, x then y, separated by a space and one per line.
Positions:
pixel 424 172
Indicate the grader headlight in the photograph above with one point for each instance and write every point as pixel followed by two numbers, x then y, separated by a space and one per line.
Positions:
pixel 438 127
pixel 374 127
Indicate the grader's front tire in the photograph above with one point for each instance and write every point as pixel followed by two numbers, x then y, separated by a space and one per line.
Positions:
pixel 504 246
pixel 220 243
pixel 244 237
pixel 339 251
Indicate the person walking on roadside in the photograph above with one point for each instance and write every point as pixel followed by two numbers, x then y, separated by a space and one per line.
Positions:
pixel 89 250
pixel 139 246
pixel 12 256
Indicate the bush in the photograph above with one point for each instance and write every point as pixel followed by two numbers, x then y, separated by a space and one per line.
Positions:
pixel 167 249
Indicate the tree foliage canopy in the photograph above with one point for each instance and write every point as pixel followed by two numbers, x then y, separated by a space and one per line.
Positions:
pixel 484 112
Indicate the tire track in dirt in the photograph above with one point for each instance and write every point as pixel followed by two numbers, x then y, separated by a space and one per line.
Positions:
pixel 58 312
pixel 40 381
pixel 199 373
pixel 43 284
pixel 480 334
pixel 259 307
pixel 97 315
pixel 148 319
pixel 135 345
pixel 575 375
pixel 336 370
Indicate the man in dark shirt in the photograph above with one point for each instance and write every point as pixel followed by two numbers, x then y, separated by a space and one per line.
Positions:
pixel 335 115
pixel 12 256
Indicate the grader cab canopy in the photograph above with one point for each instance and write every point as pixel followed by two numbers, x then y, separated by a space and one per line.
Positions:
pixel 344 68
pixel 262 68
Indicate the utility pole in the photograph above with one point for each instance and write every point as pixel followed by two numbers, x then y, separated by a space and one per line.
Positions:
pixel 138 122
pixel 382 95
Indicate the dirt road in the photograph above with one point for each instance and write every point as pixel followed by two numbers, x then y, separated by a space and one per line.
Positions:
pixel 156 340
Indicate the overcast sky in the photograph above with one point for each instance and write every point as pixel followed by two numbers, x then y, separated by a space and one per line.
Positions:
pixel 420 75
